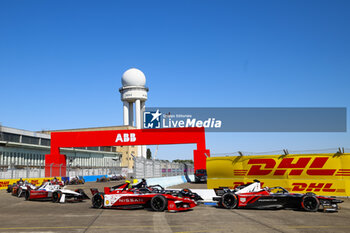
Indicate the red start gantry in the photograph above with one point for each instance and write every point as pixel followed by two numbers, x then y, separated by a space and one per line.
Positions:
pixel 56 162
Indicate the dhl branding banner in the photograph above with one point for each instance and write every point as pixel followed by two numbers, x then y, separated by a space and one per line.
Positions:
pixel 35 181
pixel 324 174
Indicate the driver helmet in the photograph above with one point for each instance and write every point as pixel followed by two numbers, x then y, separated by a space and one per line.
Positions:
pixel 128 182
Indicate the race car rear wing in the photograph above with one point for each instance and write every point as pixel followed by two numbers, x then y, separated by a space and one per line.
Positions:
pixel 221 191
pixel 94 191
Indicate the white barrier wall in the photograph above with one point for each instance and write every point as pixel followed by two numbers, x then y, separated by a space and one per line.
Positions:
pixel 169 181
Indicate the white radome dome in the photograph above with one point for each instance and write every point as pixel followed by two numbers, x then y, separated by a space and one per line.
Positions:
pixel 133 77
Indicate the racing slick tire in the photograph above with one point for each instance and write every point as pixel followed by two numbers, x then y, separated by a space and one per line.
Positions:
pixel 97 200
pixel 159 203
pixel 27 195
pixel 229 201
pixel 310 203
pixel 56 196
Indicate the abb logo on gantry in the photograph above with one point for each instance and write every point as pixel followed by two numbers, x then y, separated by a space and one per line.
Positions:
pixel 263 167
pixel 126 137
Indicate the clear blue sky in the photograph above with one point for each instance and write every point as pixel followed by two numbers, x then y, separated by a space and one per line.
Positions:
pixel 61 62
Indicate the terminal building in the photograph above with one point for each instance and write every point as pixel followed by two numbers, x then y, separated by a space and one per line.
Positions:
pixel 22 148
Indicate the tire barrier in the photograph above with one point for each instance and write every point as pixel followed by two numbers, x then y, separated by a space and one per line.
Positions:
pixel 324 174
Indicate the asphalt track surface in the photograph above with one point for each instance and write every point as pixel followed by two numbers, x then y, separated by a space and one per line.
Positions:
pixel 18 215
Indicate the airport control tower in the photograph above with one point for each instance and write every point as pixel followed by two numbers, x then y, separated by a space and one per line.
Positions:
pixel 134 91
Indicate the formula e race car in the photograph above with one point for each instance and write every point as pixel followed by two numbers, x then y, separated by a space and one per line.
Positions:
pixel 125 197
pixel 10 186
pixel 115 177
pixel 103 179
pixel 144 188
pixel 253 196
pixel 55 193
pixel 200 175
pixel 20 189
pixel 75 180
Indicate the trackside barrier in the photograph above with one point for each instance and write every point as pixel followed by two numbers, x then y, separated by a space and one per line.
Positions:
pixel 93 178
pixel 168 181
pixel 36 181
pixel 163 181
pixel 324 174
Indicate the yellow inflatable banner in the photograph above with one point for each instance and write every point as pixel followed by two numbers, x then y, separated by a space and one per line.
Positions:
pixel 324 174
pixel 35 181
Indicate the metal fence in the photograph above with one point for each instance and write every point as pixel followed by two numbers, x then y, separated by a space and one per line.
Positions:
pixel 37 172
pixel 147 168
pixel 143 168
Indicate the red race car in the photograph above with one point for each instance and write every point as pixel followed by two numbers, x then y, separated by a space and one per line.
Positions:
pixel 253 196
pixel 126 197
pixel 20 189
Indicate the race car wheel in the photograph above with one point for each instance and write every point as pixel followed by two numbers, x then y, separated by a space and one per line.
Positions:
pixel 27 195
pixel 229 200
pixel 56 196
pixel 310 203
pixel 159 203
pixel 97 200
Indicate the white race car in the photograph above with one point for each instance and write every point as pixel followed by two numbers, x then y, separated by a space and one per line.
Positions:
pixel 55 193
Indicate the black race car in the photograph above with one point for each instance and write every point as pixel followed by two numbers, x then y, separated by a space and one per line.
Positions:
pixel 117 177
pixel 253 196
pixel 75 180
